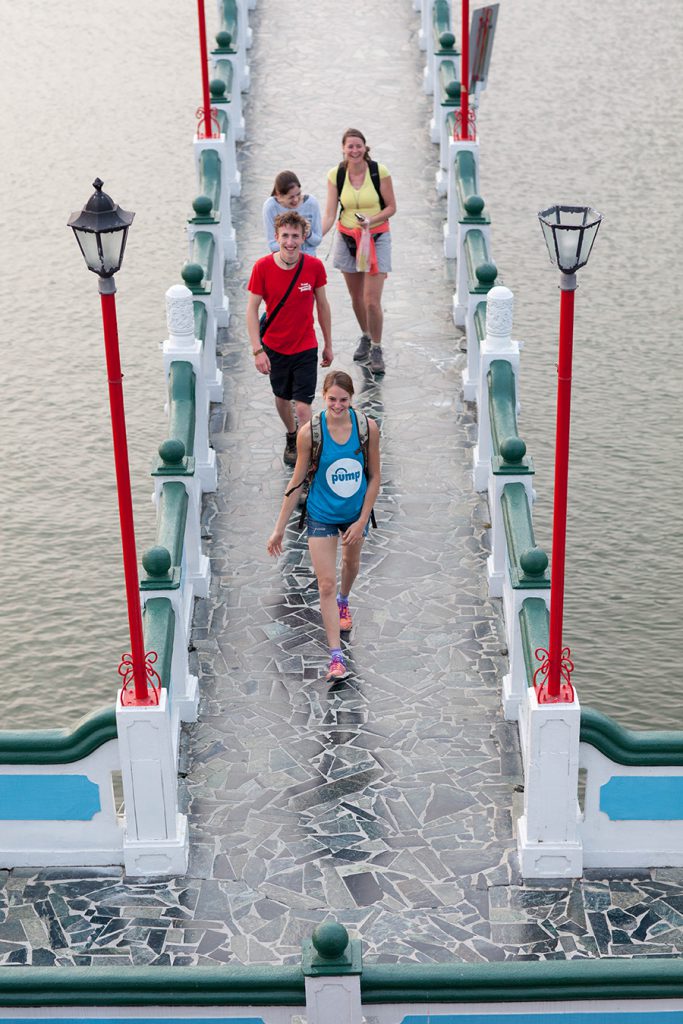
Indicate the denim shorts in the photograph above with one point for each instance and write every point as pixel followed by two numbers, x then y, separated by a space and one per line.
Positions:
pixel 314 528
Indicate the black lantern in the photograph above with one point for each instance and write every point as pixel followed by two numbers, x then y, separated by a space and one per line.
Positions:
pixel 101 229
pixel 569 233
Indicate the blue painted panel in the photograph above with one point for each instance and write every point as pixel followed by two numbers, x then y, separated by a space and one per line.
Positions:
pixel 48 798
pixel 643 798
pixel 553 1017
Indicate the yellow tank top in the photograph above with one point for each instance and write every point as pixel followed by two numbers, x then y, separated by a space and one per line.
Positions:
pixel 358 200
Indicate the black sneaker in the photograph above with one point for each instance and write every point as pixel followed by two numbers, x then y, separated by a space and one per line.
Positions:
pixel 289 456
pixel 377 360
pixel 363 350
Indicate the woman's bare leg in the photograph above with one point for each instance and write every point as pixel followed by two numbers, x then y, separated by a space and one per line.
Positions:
pixel 324 558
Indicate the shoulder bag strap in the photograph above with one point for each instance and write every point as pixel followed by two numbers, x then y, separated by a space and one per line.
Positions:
pixel 284 298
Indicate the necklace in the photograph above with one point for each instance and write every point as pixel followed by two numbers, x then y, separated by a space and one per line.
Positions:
pixel 288 264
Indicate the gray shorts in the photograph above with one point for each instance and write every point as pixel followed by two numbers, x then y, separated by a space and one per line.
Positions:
pixel 344 261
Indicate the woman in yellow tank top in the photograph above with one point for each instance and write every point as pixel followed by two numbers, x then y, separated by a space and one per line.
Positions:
pixel 363 217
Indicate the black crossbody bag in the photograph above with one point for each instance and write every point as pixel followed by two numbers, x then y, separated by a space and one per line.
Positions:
pixel 265 321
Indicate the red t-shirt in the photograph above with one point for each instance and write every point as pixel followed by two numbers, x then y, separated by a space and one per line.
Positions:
pixel 292 330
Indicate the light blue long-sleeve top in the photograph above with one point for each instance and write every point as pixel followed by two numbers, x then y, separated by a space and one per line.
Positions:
pixel 309 209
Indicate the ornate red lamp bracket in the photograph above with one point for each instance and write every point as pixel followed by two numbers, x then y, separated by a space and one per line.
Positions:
pixel 214 131
pixel 471 125
pixel 153 680
pixel 541 686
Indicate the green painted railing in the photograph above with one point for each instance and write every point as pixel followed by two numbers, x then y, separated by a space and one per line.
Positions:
pixel 448 84
pixel 481 271
pixel 182 410
pixel 227 11
pixel 534 624
pixel 159 626
pixel 200 318
pixel 223 73
pixel 444 37
pixel 480 321
pixel 152 986
pixel 202 254
pixel 171 520
pixel 58 746
pixel 210 177
pixel 509 982
pixel 528 564
pixel 624 746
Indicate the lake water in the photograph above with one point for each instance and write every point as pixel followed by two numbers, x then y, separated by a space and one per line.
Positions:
pixel 583 105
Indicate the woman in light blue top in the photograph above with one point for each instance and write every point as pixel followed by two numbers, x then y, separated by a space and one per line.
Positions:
pixel 344 486
pixel 287 195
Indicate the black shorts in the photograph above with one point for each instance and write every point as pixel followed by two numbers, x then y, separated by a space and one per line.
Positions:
pixel 293 376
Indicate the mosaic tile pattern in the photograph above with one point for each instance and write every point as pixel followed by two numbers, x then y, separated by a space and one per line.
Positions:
pixel 387 802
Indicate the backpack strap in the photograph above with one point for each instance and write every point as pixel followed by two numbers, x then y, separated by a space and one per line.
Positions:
pixel 374 178
pixel 364 438
pixel 341 178
pixel 373 167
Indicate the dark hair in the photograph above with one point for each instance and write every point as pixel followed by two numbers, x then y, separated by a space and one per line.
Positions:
pixel 283 182
pixel 356 134
pixel 340 378
pixel 294 219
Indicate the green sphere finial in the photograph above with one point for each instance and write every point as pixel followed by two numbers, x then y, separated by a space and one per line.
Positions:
pixel 486 273
pixel 474 204
pixel 513 449
pixel 202 206
pixel 192 273
pixel 330 939
pixel 534 562
pixel 217 88
pixel 223 39
pixel 453 90
pixel 447 40
pixel 172 451
pixel 157 562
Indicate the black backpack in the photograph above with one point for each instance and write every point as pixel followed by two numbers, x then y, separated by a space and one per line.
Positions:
pixel 316 451
pixel 374 177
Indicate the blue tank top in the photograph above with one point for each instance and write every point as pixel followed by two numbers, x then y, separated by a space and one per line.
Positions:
pixel 339 485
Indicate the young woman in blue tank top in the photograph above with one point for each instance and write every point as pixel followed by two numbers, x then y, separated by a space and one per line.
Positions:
pixel 342 493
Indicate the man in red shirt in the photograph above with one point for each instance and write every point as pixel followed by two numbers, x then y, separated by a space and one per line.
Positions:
pixel 288 352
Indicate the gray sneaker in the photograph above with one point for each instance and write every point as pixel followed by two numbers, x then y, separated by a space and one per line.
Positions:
pixel 376 359
pixel 363 350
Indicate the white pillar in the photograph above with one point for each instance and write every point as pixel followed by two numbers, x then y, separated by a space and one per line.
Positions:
pixel 155 837
pixel 332 966
pixel 547 832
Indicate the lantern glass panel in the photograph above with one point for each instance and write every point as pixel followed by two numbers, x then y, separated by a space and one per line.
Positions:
pixel 112 243
pixel 568 243
pixel 88 243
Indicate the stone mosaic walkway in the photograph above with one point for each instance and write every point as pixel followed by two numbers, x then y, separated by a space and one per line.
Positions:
pixel 387 803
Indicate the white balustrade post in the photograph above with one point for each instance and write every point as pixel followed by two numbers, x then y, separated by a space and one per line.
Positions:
pixel 332 966
pixel 155 837
pixel 547 832
pixel 181 344
pixel 425 33
pixel 515 682
pixel 498 344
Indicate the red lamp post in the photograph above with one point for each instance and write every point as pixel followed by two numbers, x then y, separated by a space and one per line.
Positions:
pixel 205 112
pixel 569 233
pixel 465 70
pixel 101 229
